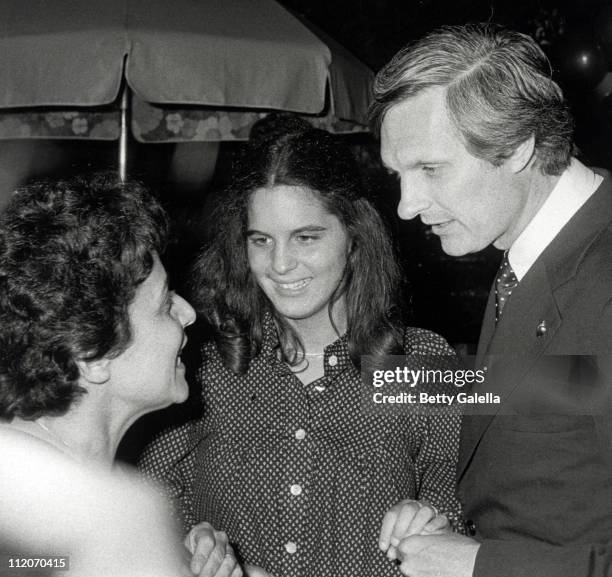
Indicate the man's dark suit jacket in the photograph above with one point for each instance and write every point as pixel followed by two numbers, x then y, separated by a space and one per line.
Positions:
pixel 537 484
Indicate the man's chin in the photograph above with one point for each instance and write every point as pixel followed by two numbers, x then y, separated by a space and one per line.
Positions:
pixel 180 393
pixel 457 246
pixel 454 248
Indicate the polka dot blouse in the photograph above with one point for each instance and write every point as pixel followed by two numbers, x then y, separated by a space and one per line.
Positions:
pixel 297 475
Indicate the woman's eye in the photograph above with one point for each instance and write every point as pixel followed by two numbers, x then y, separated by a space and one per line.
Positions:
pixel 258 240
pixel 429 169
pixel 306 238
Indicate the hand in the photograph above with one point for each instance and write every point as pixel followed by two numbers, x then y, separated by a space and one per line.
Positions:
pixel 253 571
pixel 407 518
pixel 212 555
pixel 449 555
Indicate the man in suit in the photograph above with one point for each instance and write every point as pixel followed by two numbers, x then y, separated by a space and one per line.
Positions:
pixel 481 139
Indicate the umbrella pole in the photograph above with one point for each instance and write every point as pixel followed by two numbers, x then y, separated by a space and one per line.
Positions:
pixel 123 135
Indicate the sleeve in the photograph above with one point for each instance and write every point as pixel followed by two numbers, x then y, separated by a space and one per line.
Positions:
pixel 436 460
pixel 436 466
pixel 169 462
pixel 520 558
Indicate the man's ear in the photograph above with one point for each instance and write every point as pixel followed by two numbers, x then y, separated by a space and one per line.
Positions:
pixel 96 372
pixel 522 155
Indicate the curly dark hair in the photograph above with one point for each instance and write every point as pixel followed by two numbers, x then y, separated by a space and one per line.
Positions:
pixel 499 91
pixel 72 254
pixel 291 152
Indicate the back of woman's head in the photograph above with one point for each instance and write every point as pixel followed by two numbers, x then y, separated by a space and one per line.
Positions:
pixel 287 151
pixel 72 254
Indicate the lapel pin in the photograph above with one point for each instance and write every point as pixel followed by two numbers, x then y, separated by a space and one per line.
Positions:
pixel 542 328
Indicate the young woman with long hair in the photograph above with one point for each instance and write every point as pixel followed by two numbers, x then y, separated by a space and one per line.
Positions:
pixel 299 282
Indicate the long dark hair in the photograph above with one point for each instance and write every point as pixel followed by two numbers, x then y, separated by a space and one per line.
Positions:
pixel 291 152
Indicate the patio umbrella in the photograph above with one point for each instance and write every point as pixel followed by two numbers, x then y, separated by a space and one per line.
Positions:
pixel 186 70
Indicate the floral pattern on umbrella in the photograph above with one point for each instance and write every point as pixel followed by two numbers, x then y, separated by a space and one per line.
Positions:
pixel 150 124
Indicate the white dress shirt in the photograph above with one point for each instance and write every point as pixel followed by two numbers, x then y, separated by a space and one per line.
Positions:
pixel 573 189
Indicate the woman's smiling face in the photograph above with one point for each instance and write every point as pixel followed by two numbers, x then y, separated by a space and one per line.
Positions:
pixel 150 374
pixel 297 250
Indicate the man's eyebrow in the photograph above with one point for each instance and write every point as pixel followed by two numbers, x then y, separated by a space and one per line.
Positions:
pixel 418 164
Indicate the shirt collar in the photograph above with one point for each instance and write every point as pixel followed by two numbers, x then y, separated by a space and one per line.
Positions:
pixel 574 188
pixel 336 354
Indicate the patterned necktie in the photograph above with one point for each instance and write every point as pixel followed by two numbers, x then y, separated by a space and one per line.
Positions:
pixel 505 283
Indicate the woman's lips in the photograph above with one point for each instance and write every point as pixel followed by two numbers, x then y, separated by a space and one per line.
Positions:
pixel 179 361
pixel 294 286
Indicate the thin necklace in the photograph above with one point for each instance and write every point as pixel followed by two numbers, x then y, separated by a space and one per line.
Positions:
pixel 314 354
pixel 53 435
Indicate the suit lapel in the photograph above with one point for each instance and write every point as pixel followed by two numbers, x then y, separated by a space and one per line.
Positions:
pixel 516 342
pixel 488 327
pixel 509 349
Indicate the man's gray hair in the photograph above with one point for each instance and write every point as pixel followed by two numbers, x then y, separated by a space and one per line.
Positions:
pixel 499 91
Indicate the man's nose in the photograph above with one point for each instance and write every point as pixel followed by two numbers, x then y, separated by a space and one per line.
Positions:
pixel 413 201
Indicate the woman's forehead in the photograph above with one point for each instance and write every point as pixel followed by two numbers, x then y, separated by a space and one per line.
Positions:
pixel 286 204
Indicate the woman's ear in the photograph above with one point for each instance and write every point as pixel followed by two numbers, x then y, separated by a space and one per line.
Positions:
pixel 96 372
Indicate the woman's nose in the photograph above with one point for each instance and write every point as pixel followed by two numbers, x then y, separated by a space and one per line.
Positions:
pixel 283 259
pixel 186 313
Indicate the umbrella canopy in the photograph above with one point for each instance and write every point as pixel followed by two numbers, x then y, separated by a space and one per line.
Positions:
pixel 197 69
